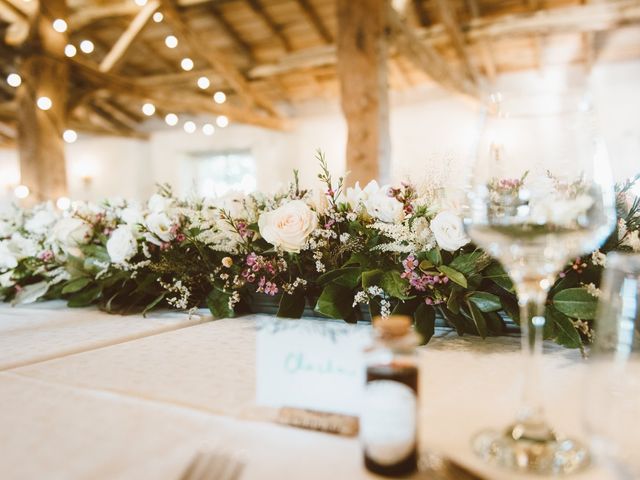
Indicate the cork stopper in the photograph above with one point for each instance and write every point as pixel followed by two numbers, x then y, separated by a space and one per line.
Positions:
pixel 392 326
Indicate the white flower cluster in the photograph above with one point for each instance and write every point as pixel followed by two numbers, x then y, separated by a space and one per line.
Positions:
pixel 181 300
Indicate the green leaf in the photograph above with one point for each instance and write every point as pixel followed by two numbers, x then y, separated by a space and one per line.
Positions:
pixel 567 333
pixel 97 251
pixel 478 319
pixel 576 303
pixel 469 263
pixel 425 321
pixel 453 302
pixel 454 275
pixel 434 256
pixel 291 306
pixel 486 302
pixel 454 319
pixel 76 285
pixel 153 304
pixel 85 297
pixel 425 265
pixel 407 307
pixel 218 303
pixel 393 284
pixel 494 323
pixel 371 278
pixel 497 274
pixel 346 276
pixel 335 301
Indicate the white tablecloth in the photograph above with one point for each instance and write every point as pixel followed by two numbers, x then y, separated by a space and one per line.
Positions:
pixel 140 408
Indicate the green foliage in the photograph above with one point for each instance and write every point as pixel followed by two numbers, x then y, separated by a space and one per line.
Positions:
pixel 576 303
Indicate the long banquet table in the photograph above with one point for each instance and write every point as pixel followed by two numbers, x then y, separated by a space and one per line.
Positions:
pixel 86 395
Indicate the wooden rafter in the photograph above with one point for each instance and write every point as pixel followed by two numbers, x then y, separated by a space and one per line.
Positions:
pixel 421 13
pixel 231 32
pixel 429 59
pixel 268 20
pixel 484 45
pixel 217 59
pixel 120 48
pixel 451 24
pixel 310 12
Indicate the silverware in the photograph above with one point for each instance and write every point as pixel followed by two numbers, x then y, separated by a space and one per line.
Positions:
pixel 213 466
pixel 439 467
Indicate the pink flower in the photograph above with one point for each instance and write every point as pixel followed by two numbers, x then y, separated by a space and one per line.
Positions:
pixel 251 259
pixel 270 288
pixel 46 255
pixel 180 237
pixel 410 263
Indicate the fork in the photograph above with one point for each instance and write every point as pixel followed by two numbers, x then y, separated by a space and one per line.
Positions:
pixel 213 466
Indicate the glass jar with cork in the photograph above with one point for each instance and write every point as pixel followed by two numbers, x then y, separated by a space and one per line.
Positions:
pixel 388 423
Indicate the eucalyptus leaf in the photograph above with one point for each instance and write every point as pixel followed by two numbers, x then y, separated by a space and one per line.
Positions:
pixel 454 275
pixel 576 303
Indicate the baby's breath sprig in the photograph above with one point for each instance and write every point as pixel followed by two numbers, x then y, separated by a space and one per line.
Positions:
pixel 325 177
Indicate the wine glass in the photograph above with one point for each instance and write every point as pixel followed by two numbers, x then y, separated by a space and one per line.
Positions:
pixel 612 400
pixel 541 193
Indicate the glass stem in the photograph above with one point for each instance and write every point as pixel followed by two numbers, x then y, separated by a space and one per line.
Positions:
pixel 531 299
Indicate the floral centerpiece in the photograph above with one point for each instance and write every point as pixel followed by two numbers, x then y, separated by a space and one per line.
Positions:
pixel 347 253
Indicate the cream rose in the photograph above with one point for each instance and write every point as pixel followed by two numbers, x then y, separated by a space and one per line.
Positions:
pixel 71 232
pixel 40 222
pixel 448 230
pixel 121 245
pixel 288 226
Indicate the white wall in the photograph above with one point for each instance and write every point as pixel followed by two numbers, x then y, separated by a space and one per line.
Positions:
pixel 432 133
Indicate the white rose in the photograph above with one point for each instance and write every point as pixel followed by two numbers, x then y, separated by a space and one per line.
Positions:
pixel 160 225
pixel 6 228
pixel 448 230
pixel 71 232
pixel 288 226
pixel 158 203
pixel 23 247
pixel 121 245
pixel 131 215
pixel 383 207
pixel 5 280
pixel 8 259
pixel 354 196
pixel 40 222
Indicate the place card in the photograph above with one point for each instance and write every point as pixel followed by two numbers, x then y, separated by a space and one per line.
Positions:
pixel 311 365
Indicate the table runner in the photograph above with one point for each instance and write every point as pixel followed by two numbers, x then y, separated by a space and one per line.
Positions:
pixel 37 332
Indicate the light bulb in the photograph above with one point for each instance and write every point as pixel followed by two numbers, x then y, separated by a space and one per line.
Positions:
pixel 171 119
pixel 70 136
pixel 158 17
pixel 44 103
pixel 186 64
pixel 141 3
pixel 189 126
pixel 219 97
pixel 208 129
pixel 222 121
pixel 148 109
pixel 59 25
pixel 14 80
pixel 86 46
pixel 63 203
pixel 171 41
pixel 21 191
pixel 70 51
pixel 203 83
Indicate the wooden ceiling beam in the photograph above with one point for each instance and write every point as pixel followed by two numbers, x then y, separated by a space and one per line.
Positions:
pixel 427 58
pixel 449 19
pixel 232 33
pixel 120 48
pixel 312 15
pixel 484 45
pixel 218 60
pixel 421 13
pixel 276 30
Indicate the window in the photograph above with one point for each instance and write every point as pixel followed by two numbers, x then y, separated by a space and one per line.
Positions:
pixel 216 173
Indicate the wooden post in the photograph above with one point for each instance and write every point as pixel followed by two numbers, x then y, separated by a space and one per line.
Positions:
pixel 40 143
pixel 362 71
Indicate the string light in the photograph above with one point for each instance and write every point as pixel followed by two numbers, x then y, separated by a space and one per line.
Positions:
pixel 63 203
pixel 44 103
pixel 222 121
pixel 208 129
pixel 70 51
pixel 148 109
pixel 171 41
pixel 186 64
pixel 171 119
pixel 21 191
pixel 14 80
pixel 219 97
pixel 59 25
pixel 141 3
pixel 203 83
pixel 158 17
pixel 189 126
pixel 86 46
pixel 70 136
